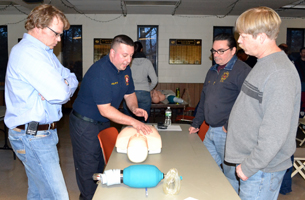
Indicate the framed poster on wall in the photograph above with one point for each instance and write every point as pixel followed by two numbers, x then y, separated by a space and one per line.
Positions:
pixel 185 51
pixel 101 48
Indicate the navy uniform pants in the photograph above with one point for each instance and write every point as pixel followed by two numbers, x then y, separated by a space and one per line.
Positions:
pixel 87 153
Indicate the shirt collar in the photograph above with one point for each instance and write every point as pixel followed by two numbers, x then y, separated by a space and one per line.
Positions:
pixel 36 42
pixel 229 65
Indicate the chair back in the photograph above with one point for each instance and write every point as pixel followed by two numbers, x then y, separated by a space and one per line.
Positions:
pixel 203 130
pixel 107 138
pixel 187 115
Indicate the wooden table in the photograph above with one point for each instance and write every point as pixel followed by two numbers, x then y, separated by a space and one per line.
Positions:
pixel 202 178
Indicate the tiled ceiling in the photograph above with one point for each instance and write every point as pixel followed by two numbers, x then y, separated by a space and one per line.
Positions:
pixel 220 8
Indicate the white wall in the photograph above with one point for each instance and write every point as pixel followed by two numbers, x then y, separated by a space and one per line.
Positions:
pixel 170 27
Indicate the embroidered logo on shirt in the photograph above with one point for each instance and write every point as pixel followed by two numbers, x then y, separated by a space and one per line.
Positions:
pixel 224 76
pixel 115 83
pixel 127 79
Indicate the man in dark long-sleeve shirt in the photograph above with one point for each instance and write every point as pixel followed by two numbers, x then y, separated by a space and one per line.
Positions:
pixel 220 90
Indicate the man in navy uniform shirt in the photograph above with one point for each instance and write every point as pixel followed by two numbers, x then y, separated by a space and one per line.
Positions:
pixel 103 88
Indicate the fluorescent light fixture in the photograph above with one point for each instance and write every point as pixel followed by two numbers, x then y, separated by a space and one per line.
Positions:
pixel 294 6
pixel 151 3
pixel 133 4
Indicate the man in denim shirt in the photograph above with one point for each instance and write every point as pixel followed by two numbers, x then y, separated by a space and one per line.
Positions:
pixel 36 86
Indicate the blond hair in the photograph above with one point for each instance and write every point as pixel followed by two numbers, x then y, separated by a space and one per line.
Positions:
pixel 42 16
pixel 259 20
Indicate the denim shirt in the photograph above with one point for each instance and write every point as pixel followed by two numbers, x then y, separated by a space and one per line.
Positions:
pixel 33 72
pixel 229 65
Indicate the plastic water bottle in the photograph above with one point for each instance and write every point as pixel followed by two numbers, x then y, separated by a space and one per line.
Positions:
pixel 178 92
pixel 177 95
pixel 168 117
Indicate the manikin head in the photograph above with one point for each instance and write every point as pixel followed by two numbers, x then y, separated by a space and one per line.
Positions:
pixel 137 148
pixel 137 145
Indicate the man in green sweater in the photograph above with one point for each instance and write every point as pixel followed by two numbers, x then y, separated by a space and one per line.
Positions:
pixel 263 122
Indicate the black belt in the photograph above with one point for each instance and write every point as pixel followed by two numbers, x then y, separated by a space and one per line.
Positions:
pixel 41 127
pixel 87 119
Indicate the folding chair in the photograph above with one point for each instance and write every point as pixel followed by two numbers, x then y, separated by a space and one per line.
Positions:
pixel 301 123
pixel 187 115
pixel 107 138
pixel 299 162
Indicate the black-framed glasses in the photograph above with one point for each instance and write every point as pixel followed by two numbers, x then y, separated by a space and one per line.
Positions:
pixel 220 52
pixel 56 34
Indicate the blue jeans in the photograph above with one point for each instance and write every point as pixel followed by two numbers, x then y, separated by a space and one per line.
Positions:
pixel 215 140
pixel 260 186
pixel 40 158
pixel 144 102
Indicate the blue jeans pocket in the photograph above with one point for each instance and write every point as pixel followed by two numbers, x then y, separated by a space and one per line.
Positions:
pixel 275 182
pixel 43 140
pixel 17 144
pixel 44 146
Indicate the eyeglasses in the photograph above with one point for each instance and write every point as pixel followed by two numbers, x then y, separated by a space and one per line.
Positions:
pixel 220 52
pixel 56 34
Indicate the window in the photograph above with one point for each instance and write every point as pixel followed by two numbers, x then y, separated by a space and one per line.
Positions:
pixel 148 36
pixel 295 41
pixel 223 29
pixel 72 50
pixel 3 52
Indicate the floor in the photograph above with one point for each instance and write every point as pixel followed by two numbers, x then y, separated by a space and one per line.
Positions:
pixel 14 181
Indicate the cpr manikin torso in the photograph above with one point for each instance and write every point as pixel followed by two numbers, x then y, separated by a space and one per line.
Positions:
pixel 136 145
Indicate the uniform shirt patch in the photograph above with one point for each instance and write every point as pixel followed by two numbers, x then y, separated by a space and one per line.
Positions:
pixel 126 79
pixel 224 76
